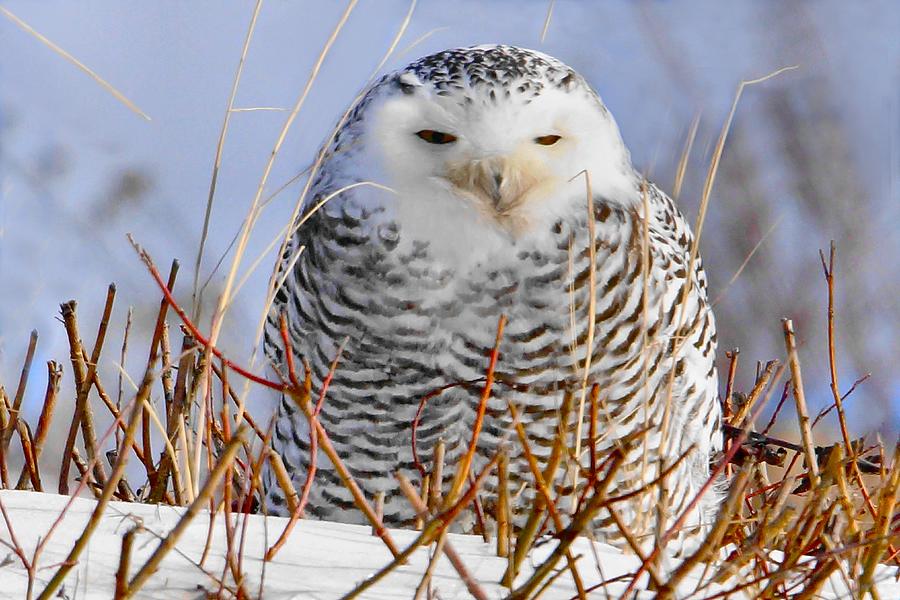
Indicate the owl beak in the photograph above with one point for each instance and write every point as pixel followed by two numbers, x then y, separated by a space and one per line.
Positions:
pixel 495 193
pixel 494 182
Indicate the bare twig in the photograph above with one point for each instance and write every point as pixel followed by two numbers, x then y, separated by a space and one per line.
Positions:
pixel 462 471
pixel 124 561
pixel 223 464
pixel 14 410
pixel 430 532
pixel 800 399
pixel 108 490
pixel 301 397
pixel 567 536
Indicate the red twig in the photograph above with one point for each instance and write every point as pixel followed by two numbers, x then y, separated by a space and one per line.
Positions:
pixel 204 341
pixel 300 396
pixel 462 473
pixel 313 438
pixel 784 396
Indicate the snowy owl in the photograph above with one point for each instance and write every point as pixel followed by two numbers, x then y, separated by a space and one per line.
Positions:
pixel 484 159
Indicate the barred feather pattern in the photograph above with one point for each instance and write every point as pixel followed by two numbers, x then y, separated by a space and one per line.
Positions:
pixel 408 331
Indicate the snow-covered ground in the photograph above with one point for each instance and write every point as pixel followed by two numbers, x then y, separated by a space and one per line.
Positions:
pixel 320 560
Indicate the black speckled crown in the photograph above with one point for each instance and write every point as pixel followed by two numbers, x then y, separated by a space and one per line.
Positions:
pixel 494 70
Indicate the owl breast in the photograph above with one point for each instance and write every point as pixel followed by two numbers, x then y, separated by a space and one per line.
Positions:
pixel 409 327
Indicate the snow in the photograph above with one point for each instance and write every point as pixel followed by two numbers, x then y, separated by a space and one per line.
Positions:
pixel 320 560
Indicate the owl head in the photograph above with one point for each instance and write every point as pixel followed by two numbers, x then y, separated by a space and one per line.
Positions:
pixel 501 133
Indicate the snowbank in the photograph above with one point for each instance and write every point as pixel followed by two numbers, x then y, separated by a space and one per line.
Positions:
pixel 320 560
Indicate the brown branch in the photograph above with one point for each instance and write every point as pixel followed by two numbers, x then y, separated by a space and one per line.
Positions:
pixel 580 521
pixel 679 522
pixel 5 421
pixel 297 513
pixel 422 510
pixel 31 467
pixel 204 341
pixel 108 490
pixel 223 464
pixel 54 373
pixel 790 342
pixel 502 506
pixel 541 484
pixel 175 417
pixel 75 350
pixel 16 406
pixel 430 532
pixel 124 561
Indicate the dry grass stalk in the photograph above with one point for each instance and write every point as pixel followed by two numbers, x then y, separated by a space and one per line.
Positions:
pixel 591 324
pixel 549 502
pixel 379 508
pixel 102 82
pixel 711 545
pixel 433 529
pixel 828 520
pixel 284 481
pixel 223 464
pixel 544 500
pixel 276 280
pixel 481 525
pixel 197 294
pixel 831 515
pixel 875 552
pixel 226 296
pixel 423 512
pixel 419 522
pixel 437 475
pixel 580 521
pixel 175 420
pixel 502 505
pixel 770 518
pixel 758 514
pixel 424 587
pixel 119 422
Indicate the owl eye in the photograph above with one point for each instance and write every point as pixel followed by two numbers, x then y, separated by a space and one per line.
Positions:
pixel 547 140
pixel 436 137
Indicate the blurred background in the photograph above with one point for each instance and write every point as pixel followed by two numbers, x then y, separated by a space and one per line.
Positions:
pixel 813 156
